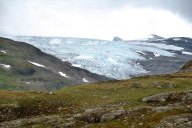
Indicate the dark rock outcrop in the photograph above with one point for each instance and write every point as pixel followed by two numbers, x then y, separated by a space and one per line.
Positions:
pixel 187 67
pixel 117 39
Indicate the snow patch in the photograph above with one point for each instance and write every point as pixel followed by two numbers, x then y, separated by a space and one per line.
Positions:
pixel 3 51
pixel 176 39
pixel 141 52
pixel 156 55
pixel 186 53
pixel 63 74
pixel 6 66
pixel 55 41
pixel 85 80
pixel 36 64
pixel 149 36
pixel 27 82
pixel 76 65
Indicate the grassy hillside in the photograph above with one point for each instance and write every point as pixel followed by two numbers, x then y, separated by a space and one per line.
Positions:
pixel 19 72
pixel 86 105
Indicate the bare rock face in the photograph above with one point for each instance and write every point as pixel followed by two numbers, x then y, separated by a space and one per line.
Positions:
pixel 180 96
pixel 187 67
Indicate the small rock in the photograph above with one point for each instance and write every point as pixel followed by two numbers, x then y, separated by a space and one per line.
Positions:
pixel 51 93
pixel 70 119
pixel 35 126
pixel 135 85
pixel 77 115
pixel 182 120
pixel 69 124
pixel 162 109
pixel 169 125
pixel 89 110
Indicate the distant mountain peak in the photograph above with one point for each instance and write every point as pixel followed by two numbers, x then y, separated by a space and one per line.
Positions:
pixel 154 36
pixel 117 39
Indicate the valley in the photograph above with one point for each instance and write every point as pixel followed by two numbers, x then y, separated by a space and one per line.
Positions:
pixel 39 90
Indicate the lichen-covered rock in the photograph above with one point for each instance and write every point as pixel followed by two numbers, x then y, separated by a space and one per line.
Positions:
pixel 112 115
pixel 180 96
pixel 176 121
pixel 56 121
pixel 162 109
pixel 99 115
pixel 163 84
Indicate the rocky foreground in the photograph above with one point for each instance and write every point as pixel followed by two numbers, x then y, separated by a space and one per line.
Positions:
pixel 170 110
pixel 159 101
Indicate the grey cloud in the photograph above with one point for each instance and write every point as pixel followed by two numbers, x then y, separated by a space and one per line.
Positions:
pixel 181 7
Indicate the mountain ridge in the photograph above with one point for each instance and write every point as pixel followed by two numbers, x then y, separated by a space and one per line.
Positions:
pixel 33 68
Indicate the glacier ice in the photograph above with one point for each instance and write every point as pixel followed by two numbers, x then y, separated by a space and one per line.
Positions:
pixel 113 59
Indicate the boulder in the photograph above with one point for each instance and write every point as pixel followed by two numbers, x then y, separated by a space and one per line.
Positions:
pixel 101 115
pixel 180 96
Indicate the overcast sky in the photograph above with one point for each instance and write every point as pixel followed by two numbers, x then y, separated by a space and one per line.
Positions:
pixel 99 19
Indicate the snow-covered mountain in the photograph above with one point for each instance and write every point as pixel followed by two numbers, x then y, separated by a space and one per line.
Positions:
pixel 117 59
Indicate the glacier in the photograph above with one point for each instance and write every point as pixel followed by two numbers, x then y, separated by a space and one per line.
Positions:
pixel 114 59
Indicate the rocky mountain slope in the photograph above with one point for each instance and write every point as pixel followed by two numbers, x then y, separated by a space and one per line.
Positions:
pixel 153 101
pixel 25 67
pixel 187 67
pixel 119 59
pixel 181 47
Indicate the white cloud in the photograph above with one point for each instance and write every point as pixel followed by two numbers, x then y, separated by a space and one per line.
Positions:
pixel 88 19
